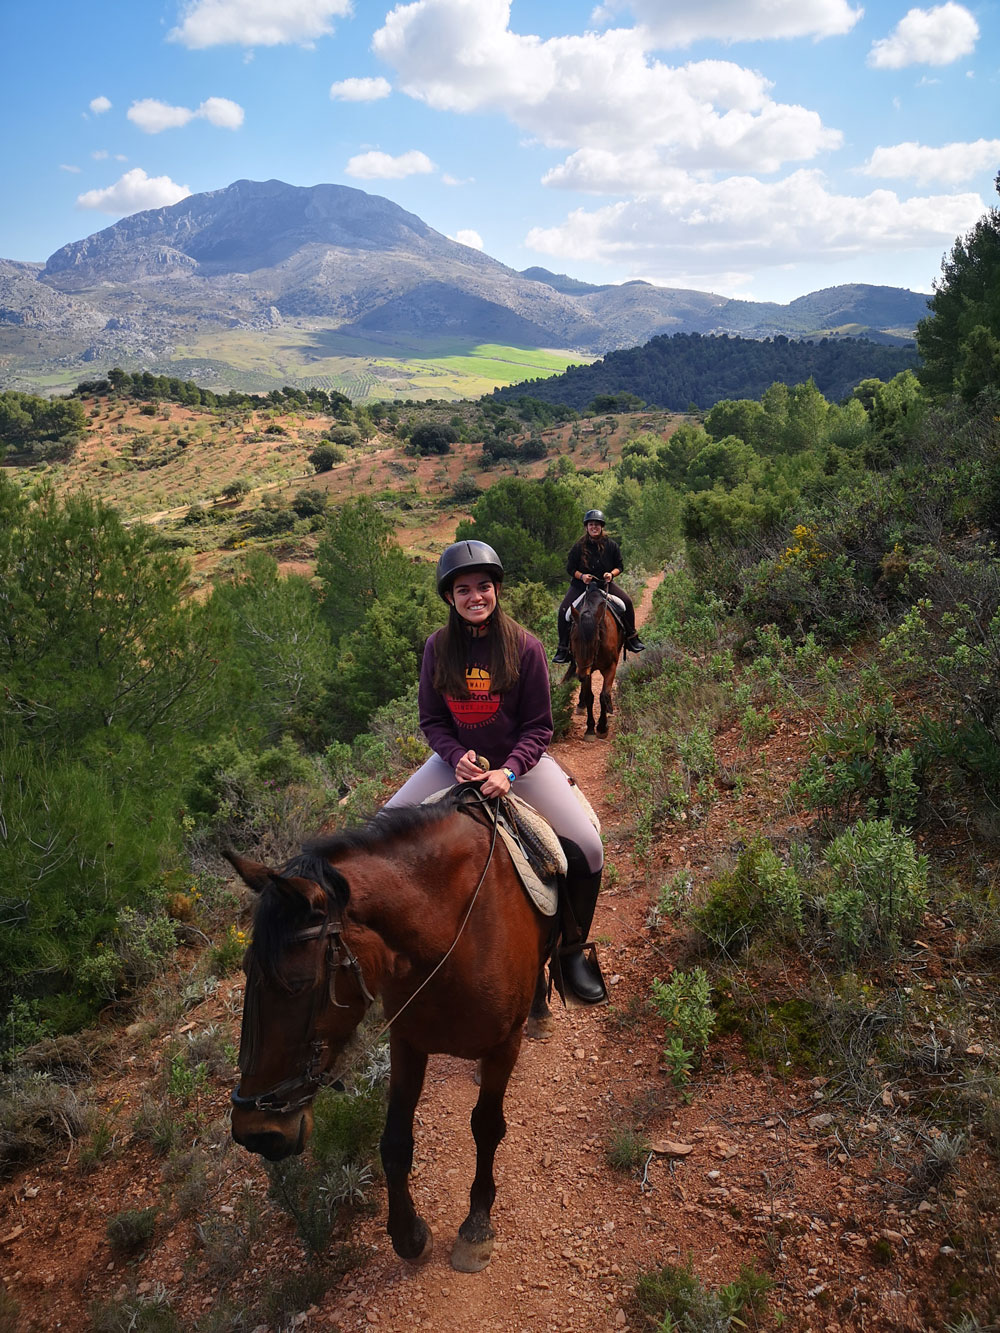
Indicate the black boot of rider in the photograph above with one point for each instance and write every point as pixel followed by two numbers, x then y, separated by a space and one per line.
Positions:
pixel 583 979
pixel 562 653
pixel 632 641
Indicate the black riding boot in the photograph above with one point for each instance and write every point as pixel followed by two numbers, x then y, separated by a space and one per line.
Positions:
pixel 562 653
pixel 632 641
pixel 582 977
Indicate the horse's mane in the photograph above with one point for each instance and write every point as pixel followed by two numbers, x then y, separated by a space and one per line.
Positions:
pixel 279 916
pixel 587 623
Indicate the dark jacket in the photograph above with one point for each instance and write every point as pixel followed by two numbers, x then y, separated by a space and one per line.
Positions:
pixel 588 558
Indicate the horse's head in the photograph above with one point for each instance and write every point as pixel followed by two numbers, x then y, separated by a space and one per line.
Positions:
pixel 305 995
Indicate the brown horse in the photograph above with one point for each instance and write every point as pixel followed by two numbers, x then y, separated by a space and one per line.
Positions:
pixel 391 910
pixel 596 641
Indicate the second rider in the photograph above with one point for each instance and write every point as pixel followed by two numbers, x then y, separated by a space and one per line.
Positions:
pixel 595 556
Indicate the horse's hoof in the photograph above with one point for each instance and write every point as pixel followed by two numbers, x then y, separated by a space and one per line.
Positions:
pixel 417 1260
pixel 538 1029
pixel 589 736
pixel 469 1257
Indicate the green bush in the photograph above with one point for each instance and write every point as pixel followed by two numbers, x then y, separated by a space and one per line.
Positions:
pixel 860 762
pixel 759 896
pixel 685 1003
pixel 137 951
pixel 878 889
pixel 131 1230
pixel 673 1299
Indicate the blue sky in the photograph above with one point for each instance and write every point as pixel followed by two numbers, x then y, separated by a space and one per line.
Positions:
pixel 756 148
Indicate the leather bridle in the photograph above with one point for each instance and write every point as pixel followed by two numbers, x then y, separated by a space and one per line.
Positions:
pixel 292 1094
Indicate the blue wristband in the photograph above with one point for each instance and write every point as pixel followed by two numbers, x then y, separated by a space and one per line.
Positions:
pixel 510 775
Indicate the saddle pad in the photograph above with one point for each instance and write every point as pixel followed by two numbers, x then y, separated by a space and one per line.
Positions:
pixel 528 834
pixel 616 603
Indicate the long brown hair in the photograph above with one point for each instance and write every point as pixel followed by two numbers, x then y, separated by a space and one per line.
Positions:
pixel 505 639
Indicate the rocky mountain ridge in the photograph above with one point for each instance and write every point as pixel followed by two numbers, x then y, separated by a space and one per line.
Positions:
pixel 257 255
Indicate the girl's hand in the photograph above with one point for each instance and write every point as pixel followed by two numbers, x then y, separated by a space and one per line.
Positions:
pixel 587 578
pixel 608 578
pixel 467 770
pixel 495 783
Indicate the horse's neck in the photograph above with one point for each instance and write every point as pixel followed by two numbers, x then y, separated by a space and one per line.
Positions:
pixel 402 896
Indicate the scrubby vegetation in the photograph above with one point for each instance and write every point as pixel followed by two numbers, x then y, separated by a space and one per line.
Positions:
pixel 832 562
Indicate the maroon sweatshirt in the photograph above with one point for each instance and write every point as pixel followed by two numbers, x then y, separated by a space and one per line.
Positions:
pixel 510 730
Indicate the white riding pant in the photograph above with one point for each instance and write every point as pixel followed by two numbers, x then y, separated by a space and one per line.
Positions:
pixel 546 787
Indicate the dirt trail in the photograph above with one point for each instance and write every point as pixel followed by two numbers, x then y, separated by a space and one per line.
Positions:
pixel 755 1182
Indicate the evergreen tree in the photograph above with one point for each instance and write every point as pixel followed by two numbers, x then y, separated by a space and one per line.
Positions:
pixel 956 355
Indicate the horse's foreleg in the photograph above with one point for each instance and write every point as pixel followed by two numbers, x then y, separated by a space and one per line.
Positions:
pixel 474 1246
pixel 539 1025
pixel 587 701
pixel 410 1234
pixel 607 706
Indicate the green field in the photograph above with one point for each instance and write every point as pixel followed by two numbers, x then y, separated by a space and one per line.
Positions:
pixel 363 368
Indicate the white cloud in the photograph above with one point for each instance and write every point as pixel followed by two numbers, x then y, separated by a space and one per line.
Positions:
pixel 951 164
pixel 381 166
pixel 468 237
pixel 65 166
pixel 134 192
pixel 685 21
pixel 223 113
pixel 99 154
pixel 360 90
pixel 697 228
pixel 152 116
pixel 99 105
pixel 256 22
pixel 937 36
pixel 599 91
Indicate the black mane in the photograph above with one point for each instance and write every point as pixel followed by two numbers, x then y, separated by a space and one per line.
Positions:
pixel 279 917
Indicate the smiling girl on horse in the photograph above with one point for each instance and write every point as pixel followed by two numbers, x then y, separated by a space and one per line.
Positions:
pixel 595 556
pixel 484 690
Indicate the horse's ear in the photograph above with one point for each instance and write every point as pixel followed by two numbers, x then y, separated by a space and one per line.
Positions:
pixel 255 875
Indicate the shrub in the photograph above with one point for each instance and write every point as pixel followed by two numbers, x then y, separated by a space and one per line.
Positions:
pixel 627 1149
pixel 760 895
pixel 326 456
pixel 35 1113
pixel 134 1313
pixel 879 887
pixel 859 760
pixel 673 1299
pixel 138 951
pixel 433 439
pixel 685 1002
pixel 131 1230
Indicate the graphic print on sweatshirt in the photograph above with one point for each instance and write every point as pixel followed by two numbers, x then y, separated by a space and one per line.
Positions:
pixel 481 706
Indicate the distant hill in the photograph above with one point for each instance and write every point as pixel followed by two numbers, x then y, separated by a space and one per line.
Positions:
pixel 342 273
pixel 677 371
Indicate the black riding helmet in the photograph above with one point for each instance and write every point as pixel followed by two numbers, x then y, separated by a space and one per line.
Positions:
pixel 594 516
pixel 463 556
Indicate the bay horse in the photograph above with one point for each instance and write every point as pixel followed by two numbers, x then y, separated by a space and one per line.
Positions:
pixel 390 910
pixel 595 640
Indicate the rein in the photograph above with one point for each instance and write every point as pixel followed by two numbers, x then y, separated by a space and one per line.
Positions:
pixel 337 956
